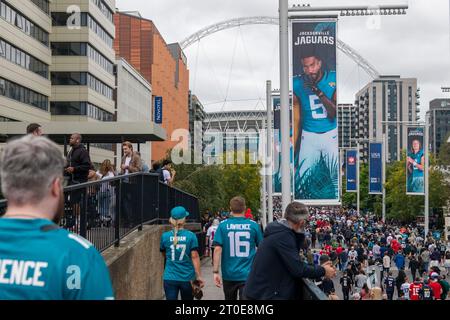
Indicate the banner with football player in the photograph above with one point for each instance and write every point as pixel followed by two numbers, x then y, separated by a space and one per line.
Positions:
pixel 351 170
pixel 277 143
pixel 316 145
pixel 415 162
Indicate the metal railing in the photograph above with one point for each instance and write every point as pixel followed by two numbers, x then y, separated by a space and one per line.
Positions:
pixel 309 291
pixel 106 211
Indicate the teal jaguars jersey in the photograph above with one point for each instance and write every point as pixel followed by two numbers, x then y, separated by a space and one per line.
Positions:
pixel 179 266
pixel 418 158
pixel 40 261
pixel 314 114
pixel 238 238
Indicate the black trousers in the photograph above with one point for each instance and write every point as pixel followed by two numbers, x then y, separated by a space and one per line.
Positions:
pixel 233 290
pixel 346 294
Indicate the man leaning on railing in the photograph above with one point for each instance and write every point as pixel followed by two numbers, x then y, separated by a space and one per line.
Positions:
pixel 278 268
pixel 43 261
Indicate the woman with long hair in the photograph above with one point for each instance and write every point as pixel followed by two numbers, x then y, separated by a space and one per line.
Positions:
pixel 180 248
pixel 106 192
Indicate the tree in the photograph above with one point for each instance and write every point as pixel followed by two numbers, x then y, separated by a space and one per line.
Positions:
pixel 368 202
pixel 243 180
pixel 205 183
pixel 215 185
pixel 407 208
pixel 444 153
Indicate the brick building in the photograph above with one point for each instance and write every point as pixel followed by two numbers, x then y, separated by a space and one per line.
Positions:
pixel 163 65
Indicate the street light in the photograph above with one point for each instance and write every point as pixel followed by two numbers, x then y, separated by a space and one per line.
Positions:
pixel 425 124
pixel 284 70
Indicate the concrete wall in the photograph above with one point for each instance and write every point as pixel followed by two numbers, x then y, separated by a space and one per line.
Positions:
pixel 137 266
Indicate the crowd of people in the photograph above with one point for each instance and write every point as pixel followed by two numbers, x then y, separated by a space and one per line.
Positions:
pixel 369 252
pixel 375 260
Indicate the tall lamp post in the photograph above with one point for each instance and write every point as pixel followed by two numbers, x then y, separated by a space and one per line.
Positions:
pixel 346 11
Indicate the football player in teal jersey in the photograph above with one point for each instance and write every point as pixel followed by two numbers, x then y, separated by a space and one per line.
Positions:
pixel 235 244
pixel 180 248
pixel 315 123
pixel 39 260
pixel 416 162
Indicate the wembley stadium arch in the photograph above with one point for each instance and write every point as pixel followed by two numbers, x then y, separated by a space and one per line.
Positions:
pixel 237 22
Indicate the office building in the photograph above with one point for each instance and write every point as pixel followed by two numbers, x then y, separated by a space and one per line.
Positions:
pixel 163 65
pixel 134 102
pixel 82 70
pixel 197 116
pixel 440 123
pixel 25 59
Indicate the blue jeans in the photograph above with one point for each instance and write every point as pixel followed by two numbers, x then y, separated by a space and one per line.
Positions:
pixel 172 288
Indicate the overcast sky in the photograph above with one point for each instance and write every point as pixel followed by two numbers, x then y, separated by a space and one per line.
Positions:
pixel 234 64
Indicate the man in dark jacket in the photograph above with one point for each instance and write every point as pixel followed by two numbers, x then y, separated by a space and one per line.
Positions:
pixel 78 161
pixel 77 171
pixel 277 267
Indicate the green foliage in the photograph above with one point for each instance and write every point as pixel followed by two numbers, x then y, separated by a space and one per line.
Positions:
pixel 407 208
pixel 215 185
pixel 444 153
pixel 320 182
pixel 372 203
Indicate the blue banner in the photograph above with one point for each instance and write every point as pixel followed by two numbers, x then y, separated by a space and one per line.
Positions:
pixel 158 110
pixel 376 168
pixel 351 160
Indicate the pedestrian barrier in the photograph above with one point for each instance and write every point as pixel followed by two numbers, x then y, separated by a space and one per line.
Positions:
pixel 106 211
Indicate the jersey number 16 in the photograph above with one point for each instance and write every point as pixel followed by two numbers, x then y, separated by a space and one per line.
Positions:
pixel 239 244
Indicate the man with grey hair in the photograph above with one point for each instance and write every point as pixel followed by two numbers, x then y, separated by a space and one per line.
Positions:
pixel 277 267
pixel 39 260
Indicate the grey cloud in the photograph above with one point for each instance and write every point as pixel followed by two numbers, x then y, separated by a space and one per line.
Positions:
pixel 415 45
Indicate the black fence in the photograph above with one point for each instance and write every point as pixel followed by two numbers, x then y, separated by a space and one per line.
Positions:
pixel 106 211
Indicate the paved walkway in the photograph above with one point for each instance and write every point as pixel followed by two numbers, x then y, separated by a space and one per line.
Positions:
pixel 210 291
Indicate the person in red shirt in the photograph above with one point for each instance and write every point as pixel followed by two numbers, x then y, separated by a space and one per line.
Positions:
pixel 435 286
pixel 339 250
pixel 414 290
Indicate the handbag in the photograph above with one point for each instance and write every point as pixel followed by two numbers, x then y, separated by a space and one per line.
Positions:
pixel 196 290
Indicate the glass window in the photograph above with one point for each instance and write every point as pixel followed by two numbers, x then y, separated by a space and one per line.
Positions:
pixel 14 17
pixel 16 92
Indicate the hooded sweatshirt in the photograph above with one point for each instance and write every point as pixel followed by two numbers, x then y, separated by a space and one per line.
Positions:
pixel 277 267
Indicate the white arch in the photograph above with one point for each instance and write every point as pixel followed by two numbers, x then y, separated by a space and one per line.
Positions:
pixel 233 23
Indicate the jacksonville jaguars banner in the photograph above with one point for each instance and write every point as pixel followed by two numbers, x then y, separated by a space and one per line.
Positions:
pixel 375 168
pixel 351 170
pixel 415 162
pixel 316 145
pixel 277 143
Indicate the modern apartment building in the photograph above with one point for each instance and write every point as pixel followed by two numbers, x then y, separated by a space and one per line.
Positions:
pixel 388 98
pixel 163 65
pixel 347 125
pixel 440 123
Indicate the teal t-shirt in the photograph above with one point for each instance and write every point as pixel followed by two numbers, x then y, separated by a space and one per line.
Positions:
pixel 179 266
pixel 314 114
pixel 238 238
pixel 40 261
